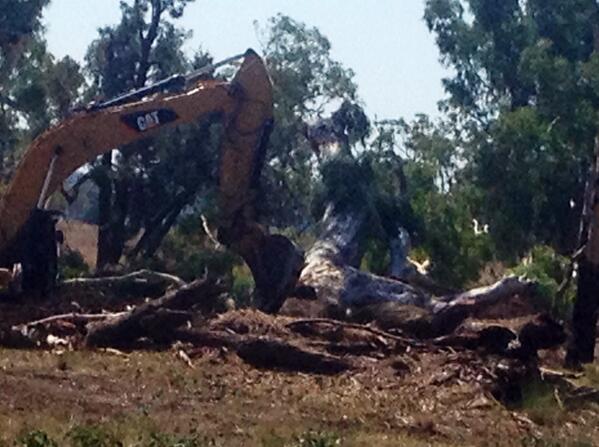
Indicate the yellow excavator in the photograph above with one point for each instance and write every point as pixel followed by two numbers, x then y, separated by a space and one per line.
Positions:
pixel 27 229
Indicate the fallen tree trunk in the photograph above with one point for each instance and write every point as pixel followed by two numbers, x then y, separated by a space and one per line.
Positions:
pixel 155 319
pixel 331 272
pixel 449 311
pixel 332 266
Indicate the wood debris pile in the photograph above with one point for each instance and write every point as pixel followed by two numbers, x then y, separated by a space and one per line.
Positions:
pixel 498 355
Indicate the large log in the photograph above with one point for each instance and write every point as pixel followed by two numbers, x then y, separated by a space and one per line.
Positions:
pixel 331 271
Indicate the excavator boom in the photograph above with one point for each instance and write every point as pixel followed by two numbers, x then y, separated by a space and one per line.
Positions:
pixel 245 102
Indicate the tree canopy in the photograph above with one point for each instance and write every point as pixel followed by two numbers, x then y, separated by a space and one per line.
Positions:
pixel 500 171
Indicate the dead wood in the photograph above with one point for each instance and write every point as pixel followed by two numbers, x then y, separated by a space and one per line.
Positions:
pixel 266 353
pixel 39 333
pixel 155 319
pixel 494 339
pixel 540 332
pixel 142 283
pixel 72 317
pixel 332 272
pixel 301 325
pixel 487 295
pixel 440 316
pixel 450 311
pixel 570 394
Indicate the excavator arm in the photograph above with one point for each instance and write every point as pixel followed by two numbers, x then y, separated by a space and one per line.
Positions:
pixel 245 103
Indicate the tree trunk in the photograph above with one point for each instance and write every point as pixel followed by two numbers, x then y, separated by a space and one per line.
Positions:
pixel 332 266
pixel 160 225
pixel 584 317
pixel 581 348
pixel 102 180
pixel 332 271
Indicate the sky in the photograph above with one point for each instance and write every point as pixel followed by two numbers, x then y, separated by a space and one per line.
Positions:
pixel 385 42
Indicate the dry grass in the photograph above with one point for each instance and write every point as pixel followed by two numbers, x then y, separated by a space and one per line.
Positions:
pixel 131 396
pixel 591 374
pixel 81 237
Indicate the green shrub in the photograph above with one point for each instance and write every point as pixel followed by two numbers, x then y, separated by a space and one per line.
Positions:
pixel 446 236
pixel 35 439
pixel 243 286
pixel 549 269
pixel 91 436
pixel 317 439
pixel 163 440
pixel 72 265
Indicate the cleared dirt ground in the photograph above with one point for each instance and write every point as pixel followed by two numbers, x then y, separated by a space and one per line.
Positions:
pixel 438 403
pixel 391 397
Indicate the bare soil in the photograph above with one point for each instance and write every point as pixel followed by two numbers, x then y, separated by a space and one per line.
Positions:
pixel 409 397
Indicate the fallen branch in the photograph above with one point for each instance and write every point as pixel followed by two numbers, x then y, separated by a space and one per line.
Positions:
pixel 487 295
pixel 571 393
pixel 450 311
pixel 360 327
pixel 73 316
pixel 140 283
pixel 265 353
pixel 155 319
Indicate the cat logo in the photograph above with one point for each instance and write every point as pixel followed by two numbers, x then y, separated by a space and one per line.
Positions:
pixel 149 119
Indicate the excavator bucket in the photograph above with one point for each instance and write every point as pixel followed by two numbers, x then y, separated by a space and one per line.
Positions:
pixel 246 136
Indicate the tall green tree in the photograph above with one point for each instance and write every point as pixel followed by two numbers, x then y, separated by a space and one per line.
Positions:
pixel 36 90
pixel 144 47
pixel 20 24
pixel 308 85
pixel 525 89
pixel 522 92
pixel 419 163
